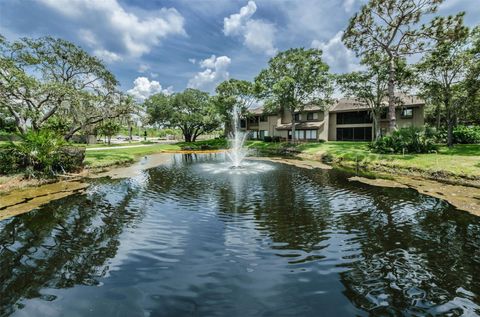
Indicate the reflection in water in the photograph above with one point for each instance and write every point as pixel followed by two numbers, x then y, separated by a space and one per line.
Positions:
pixel 181 240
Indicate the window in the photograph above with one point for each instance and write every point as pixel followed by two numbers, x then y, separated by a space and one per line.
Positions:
pixel 354 117
pixel 311 134
pixel 263 118
pixel 297 117
pixel 383 113
pixel 354 134
pixel 299 134
pixel 262 133
pixel 243 123
pixel 407 113
pixel 310 116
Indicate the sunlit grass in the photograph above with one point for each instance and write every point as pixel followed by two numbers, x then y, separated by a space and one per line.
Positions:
pixel 101 158
pixel 462 159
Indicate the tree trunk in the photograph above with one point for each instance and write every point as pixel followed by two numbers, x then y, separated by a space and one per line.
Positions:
pixel 376 126
pixel 130 130
pixel 449 130
pixel 392 124
pixel 109 138
pixel 439 115
pixel 449 114
pixel 228 129
pixel 187 137
pixel 293 126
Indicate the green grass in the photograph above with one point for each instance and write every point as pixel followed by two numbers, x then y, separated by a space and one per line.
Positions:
pixel 461 160
pixel 102 158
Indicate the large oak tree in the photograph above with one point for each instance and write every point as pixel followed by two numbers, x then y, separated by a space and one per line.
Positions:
pixel 295 78
pixel 47 77
pixel 192 111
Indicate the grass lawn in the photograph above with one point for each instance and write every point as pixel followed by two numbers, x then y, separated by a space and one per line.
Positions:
pixel 461 160
pixel 102 158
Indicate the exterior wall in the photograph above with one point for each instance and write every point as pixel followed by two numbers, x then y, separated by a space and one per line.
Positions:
pixel 269 125
pixel 418 119
pixel 329 129
pixel 332 126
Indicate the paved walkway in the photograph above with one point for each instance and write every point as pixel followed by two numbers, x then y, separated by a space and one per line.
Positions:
pixel 117 147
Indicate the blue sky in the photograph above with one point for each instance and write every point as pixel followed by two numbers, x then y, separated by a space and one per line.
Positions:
pixel 168 45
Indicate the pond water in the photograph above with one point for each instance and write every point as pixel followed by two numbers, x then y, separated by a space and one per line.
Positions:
pixel 194 238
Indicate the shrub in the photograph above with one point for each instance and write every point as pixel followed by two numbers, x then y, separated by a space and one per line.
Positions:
pixel 466 135
pixel 405 140
pixel 40 154
pixel 267 138
pixel 213 144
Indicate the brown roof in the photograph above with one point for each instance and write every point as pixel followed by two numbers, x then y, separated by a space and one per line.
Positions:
pixel 258 110
pixel 301 125
pixel 348 104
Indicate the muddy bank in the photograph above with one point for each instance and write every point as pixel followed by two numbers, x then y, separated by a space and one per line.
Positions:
pixel 23 200
pixel 462 197
pixel 24 195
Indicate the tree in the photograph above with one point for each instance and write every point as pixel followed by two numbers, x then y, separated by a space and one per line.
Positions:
pixel 40 78
pixel 234 93
pixel 293 79
pixel 391 27
pixel 370 86
pixel 448 71
pixel 192 111
pixel 109 128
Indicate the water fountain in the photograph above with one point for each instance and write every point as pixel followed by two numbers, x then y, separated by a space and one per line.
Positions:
pixel 237 152
pixel 236 163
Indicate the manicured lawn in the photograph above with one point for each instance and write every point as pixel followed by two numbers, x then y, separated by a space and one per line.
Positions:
pixel 462 159
pixel 103 158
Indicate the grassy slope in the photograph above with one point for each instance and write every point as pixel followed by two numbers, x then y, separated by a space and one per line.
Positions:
pixel 461 160
pixel 103 158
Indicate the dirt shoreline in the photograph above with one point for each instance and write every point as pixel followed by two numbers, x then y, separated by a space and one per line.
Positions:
pixel 20 200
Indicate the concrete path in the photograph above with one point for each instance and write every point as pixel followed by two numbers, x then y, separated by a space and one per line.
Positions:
pixel 116 147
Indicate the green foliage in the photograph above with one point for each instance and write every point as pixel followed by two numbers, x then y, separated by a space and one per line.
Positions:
pixel 41 153
pixel 46 77
pixel 466 135
pixel 295 78
pixel 231 93
pixel 57 124
pixel 403 141
pixel 191 111
pixel 213 144
pixel 162 133
pixel 445 73
pixel 109 128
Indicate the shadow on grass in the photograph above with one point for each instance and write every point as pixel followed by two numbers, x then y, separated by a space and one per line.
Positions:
pixel 461 149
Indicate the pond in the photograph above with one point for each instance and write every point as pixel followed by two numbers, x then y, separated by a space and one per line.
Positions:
pixel 195 238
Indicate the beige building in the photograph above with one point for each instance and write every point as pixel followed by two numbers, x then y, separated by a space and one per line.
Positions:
pixel 346 120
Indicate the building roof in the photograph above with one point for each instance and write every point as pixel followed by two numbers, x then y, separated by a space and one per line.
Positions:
pixel 301 125
pixel 349 104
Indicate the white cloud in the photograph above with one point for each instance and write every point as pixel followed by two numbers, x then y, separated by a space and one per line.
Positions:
pixel 144 88
pixel 107 56
pixel 128 32
pixel 258 35
pixel 235 24
pixel 216 70
pixel 192 60
pixel 336 55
